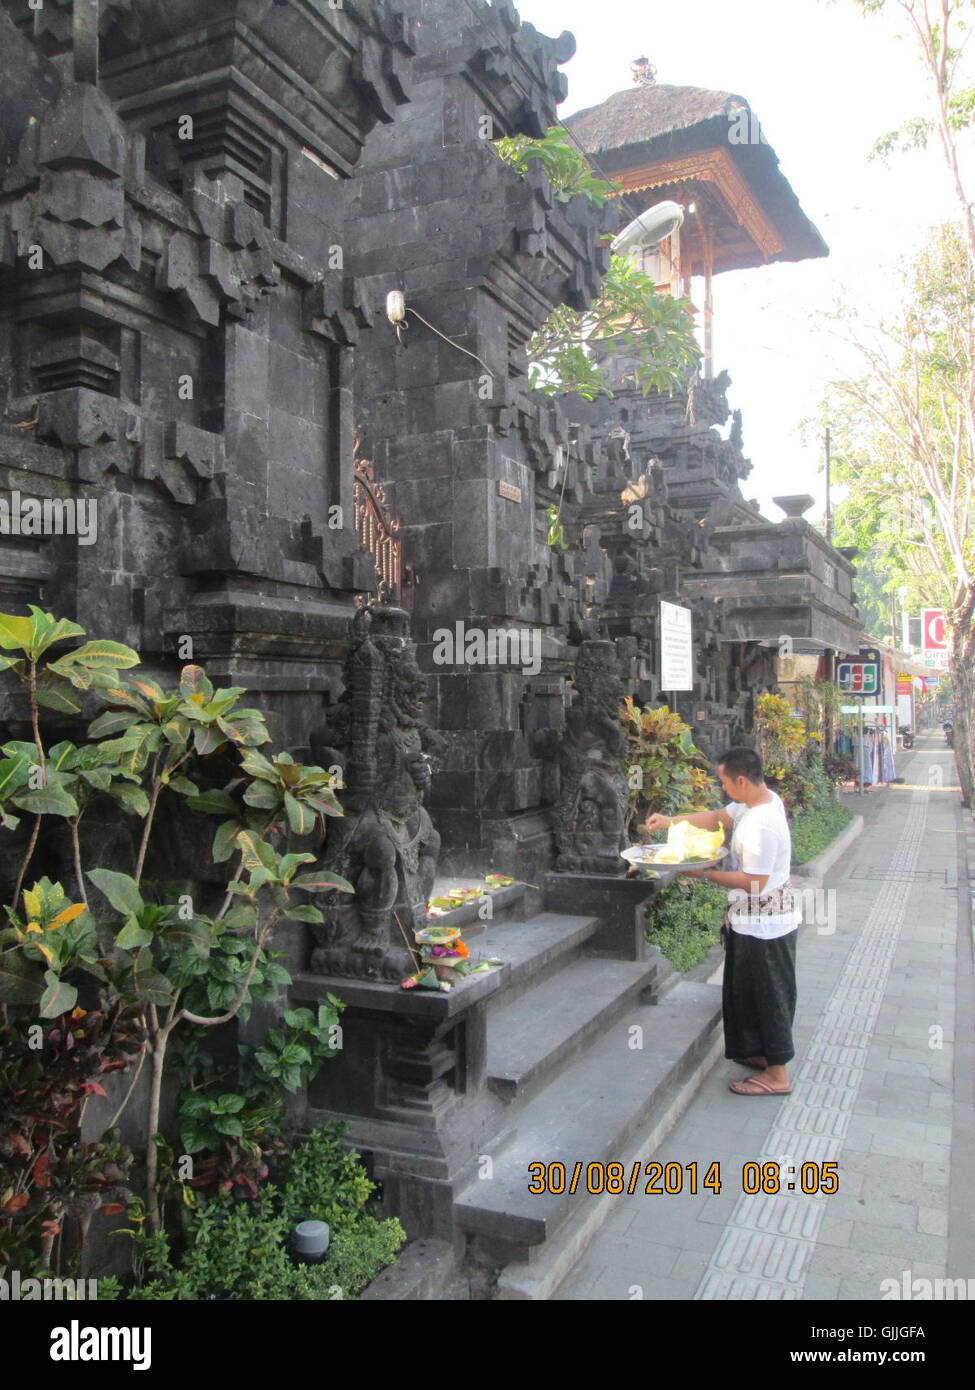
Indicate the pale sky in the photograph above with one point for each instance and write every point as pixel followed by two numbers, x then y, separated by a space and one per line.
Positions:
pixel 825 82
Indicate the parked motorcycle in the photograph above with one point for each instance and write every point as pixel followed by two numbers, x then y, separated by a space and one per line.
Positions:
pixel 907 737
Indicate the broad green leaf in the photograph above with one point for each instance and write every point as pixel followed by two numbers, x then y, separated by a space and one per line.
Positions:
pixel 20 981
pixel 33 902
pixel 184 787
pixel 207 740
pixel 176 730
pixel 58 696
pixel 225 841
pixel 259 877
pixel 15 773
pixel 148 982
pixel 58 998
pixel 130 798
pixel 301 819
pixel 326 803
pixel 133 937
pixel 148 689
pixel 120 694
pixel 214 802
pixel 228 1125
pixel 142 743
pixel 262 795
pixel 47 631
pixel 247 843
pixel 197 936
pixel 113 721
pixel 16 634
pixel 193 1137
pixel 112 655
pixel 51 800
pixel 290 862
pixel 241 917
pixel 256 765
pixel 319 881
pixel 120 890
pixel 230 729
pixel 224 700
pixel 231 1103
pixel 194 686
pixel 306 913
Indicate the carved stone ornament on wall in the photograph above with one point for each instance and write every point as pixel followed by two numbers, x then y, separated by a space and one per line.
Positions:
pixel 591 816
pixel 386 843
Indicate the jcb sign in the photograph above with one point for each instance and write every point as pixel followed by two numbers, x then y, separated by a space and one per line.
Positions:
pixel 857 677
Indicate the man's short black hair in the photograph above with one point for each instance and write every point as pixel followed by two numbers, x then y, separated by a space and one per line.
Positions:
pixel 742 762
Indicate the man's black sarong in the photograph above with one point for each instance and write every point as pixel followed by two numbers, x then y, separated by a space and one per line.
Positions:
pixel 759 997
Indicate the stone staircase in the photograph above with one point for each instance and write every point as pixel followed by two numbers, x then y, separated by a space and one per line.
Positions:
pixel 583 1048
pixel 592 1056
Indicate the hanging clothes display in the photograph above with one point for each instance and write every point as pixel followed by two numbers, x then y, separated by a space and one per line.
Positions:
pixel 887 756
pixel 867 758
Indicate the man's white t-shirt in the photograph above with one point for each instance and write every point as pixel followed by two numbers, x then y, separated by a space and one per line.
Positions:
pixel 761 844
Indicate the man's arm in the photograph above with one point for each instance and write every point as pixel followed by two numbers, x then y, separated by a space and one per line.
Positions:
pixel 726 878
pixel 704 820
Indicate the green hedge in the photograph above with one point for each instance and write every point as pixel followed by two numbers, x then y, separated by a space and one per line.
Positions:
pixel 814 829
pixel 685 921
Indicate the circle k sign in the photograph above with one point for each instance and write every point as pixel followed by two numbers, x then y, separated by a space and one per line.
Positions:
pixel 933 629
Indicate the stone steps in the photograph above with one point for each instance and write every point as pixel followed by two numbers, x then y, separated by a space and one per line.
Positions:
pixel 530 1036
pixel 593 1108
pixel 532 950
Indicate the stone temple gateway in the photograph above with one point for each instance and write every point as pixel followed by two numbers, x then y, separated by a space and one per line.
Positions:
pixel 204 207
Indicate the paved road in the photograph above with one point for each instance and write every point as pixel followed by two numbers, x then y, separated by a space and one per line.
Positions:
pixel 882 1087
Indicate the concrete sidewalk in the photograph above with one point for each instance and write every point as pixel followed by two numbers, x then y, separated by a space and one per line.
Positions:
pixel 882 1087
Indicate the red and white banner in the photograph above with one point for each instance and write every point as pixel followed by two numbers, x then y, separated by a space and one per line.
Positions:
pixel 933 637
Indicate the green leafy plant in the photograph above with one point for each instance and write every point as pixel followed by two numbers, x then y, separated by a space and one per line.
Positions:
pixel 169 961
pixel 242 1250
pixel 655 331
pixel 297 1049
pixel 48 1175
pixel 685 921
pixel 563 163
pixel 566 355
pixel 665 772
pixel 781 736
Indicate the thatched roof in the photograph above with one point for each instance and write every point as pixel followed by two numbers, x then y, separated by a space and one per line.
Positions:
pixel 642 113
pixel 648 124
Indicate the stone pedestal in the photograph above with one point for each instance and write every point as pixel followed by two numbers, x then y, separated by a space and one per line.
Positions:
pixel 410 1085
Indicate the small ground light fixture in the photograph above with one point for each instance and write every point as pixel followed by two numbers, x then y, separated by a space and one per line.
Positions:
pixel 311 1240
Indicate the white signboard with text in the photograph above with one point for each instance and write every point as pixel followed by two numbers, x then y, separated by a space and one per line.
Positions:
pixel 676 648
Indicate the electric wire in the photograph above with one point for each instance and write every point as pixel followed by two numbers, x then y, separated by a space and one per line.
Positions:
pixel 429 325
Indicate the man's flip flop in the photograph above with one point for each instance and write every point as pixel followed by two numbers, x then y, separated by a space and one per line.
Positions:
pixel 764 1089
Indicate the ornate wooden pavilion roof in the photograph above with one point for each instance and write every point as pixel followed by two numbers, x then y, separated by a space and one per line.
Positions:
pixel 698 146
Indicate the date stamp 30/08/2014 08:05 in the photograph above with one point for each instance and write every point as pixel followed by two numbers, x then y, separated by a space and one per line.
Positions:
pixel 672 1179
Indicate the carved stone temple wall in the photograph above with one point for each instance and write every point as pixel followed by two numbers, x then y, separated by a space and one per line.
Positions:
pixel 176 341
pixel 204 205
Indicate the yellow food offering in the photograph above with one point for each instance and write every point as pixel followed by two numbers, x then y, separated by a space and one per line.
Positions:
pixel 686 842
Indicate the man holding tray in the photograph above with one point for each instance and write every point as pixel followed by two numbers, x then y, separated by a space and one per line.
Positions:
pixel 761 924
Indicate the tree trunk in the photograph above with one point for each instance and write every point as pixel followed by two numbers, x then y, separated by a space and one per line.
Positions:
pixel 963 693
pixel 152 1127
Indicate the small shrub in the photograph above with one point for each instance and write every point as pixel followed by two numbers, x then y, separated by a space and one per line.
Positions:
pixel 665 772
pixel 815 829
pixel 685 921
pixel 238 1250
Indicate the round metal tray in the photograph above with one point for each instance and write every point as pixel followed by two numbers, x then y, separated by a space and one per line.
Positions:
pixel 645 857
